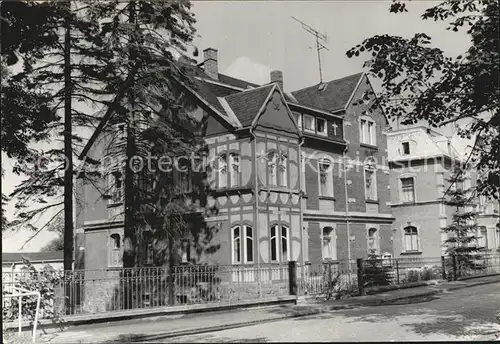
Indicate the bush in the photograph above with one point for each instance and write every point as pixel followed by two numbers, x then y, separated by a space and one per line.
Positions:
pixel 45 281
pixel 376 274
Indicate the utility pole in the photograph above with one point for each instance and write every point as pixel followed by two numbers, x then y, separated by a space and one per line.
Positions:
pixel 321 40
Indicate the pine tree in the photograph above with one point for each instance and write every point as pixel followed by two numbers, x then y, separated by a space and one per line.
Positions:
pixel 462 241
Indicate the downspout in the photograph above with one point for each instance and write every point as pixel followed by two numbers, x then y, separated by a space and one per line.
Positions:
pixel 301 217
pixel 344 156
pixel 256 214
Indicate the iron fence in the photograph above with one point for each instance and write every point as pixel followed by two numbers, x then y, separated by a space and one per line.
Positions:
pixel 97 291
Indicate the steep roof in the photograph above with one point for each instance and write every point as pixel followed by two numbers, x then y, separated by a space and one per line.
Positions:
pixel 334 95
pixel 246 104
pixel 15 257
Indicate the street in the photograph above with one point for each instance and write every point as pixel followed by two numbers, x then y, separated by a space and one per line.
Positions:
pixel 467 314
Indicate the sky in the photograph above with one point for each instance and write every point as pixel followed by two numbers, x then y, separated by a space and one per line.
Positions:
pixel 255 37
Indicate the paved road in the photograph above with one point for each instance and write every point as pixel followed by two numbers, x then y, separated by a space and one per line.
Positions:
pixel 467 314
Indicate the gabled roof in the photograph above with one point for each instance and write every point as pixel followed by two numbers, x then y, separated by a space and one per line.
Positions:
pixel 334 95
pixel 16 257
pixel 246 104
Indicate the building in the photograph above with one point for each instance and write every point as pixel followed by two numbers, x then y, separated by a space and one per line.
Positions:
pixel 275 176
pixel 421 162
pixel 13 261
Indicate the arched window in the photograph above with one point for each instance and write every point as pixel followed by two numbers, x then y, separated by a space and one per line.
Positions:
pixel 373 241
pixel 325 178
pixel 329 247
pixel 222 170
pixel 115 250
pixel 242 244
pixel 234 172
pixel 411 239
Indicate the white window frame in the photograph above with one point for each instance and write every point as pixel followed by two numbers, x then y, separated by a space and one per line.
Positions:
pixel 243 244
pixel 278 245
pixel 113 250
pixel 328 175
pixel 402 188
pixel 222 170
pixel 417 239
pixel 298 118
pixel 325 132
pixel 313 121
pixel 332 245
pixel 374 183
pixel 234 174
pixel 367 136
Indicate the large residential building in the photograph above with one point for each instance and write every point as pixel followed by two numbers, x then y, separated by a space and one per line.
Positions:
pixel 278 190
pixel 421 162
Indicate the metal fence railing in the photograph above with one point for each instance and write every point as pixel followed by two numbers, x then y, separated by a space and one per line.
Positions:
pixel 97 291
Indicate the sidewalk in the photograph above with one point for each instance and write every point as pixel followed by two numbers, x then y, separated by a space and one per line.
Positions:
pixel 160 328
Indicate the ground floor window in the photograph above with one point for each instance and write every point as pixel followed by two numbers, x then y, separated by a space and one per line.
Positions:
pixel 280 243
pixel 242 244
pixel 411 238
pixel 329 247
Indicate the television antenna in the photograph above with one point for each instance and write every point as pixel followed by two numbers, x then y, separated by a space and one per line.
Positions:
pixel 321 40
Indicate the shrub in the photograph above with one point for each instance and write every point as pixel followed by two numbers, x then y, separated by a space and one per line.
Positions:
pixel 45 281
pixel 376 274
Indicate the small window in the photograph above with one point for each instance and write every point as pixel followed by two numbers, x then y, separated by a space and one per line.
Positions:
pixel 115 250
pixel 116 187
pixel 408 190
pixel 186 251
pixel 309 123
pixel 272 161
pixel 372 241
pixel 483 237
pixel 367 131
pixel 370 184
pixel 298 119
pixel 282 169
pixel 222 170
pixel 329 244
pixel 321 126
pixel 406 148
pixel 235 169
pixel 411 239
pixel 325 178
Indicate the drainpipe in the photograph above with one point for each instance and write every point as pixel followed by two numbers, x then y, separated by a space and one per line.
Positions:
pixel 301 217
pixel 344 156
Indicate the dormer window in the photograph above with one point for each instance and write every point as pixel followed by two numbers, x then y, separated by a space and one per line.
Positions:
pixel 406 148
pixel 309 123
pixel 321 126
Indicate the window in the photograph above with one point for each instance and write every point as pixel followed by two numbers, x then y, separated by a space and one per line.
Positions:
pixel 235 169
pixel 406 148
pixel 482 237
pixel 115 250
pixel 309 123
pixel 329 244
pixel 408 190
pixel 411 238
pixel 368 132
pixel 372 241
pixel 370 184
pixel 325 178
pixel 321 126
pixel 277 163
pixel 242 242
pixel 222 169
pixel 116 187
pixel 280 243
pixel 185 251
pixel 282 169
pixel 298 119
pixel 148 247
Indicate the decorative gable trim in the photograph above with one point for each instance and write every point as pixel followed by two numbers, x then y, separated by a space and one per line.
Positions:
pixel 225 105
pixel 354 91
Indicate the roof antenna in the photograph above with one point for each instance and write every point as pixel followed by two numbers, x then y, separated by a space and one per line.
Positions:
pixel 321 39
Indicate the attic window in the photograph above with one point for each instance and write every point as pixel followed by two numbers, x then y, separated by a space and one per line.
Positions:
pixel 406 148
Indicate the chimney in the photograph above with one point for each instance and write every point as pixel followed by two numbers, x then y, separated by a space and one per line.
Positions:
pixel 277 76
pixel 210 63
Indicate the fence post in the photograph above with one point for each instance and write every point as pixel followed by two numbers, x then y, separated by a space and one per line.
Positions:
pixel 292 277
pixel 454 257
pixel 397 271
pixel 361 276
pixel 170 286
pixel 443 267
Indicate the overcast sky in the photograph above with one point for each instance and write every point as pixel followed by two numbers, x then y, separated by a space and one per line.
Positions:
pixel 254 38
